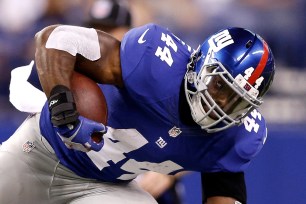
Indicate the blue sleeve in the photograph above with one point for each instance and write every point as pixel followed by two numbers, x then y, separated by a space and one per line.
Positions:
pixel 248 148
pixel 131 51
pixel 153 63
pixel 249 141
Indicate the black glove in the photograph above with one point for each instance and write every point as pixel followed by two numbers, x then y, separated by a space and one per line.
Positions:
pixel 62 106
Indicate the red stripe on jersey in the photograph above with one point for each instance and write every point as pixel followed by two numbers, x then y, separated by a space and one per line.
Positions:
pixel 261 65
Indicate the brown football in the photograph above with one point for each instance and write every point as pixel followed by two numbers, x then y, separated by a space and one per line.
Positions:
pixel 89 99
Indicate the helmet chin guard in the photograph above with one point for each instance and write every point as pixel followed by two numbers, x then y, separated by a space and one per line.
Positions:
pixel 243 62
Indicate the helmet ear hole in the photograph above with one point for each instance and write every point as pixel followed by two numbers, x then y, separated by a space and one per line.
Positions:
pixel 249 44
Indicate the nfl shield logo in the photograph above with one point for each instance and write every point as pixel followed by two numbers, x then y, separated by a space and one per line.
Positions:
pixel 174 132
pixel 28 146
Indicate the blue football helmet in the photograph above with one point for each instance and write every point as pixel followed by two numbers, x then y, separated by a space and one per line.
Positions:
pixel 232 60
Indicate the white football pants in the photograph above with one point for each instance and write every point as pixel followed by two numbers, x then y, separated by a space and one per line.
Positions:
pixel 30 173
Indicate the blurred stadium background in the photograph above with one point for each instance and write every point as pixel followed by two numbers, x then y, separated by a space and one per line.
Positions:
pixel 277 175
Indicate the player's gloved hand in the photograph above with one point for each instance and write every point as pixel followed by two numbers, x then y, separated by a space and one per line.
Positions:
pixel 79 136
pixel 75 130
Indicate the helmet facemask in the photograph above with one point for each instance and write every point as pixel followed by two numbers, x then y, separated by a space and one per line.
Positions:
pixel 206 112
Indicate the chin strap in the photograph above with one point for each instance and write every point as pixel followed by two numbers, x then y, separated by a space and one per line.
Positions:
pixel 194 57
pixel 190 74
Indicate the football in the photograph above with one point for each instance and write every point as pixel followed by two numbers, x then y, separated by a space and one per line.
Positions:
pixel 90 100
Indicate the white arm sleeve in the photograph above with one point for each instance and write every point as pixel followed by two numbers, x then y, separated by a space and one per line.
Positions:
pixel 73 40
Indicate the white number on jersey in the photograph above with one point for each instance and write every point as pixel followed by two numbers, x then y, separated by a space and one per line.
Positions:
pixel 164 53
pixel 165 167
pixel 250 123
pixel 169 41
pixel 127 140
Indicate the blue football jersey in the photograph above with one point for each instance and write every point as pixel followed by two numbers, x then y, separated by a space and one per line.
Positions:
pixel 145 128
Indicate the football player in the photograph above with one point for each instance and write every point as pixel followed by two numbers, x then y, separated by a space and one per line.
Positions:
pixel 170 109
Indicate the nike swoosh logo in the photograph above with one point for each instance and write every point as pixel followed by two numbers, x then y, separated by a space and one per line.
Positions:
pixel 141 40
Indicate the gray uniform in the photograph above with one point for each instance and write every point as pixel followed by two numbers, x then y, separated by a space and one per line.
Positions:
pixel 31 173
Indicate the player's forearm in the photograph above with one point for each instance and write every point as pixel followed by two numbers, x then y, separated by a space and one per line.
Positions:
pixel 54 66
pixel 61 49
